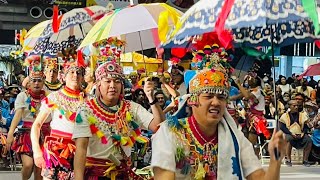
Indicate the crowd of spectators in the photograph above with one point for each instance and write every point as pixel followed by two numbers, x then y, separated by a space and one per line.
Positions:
pixel 296 97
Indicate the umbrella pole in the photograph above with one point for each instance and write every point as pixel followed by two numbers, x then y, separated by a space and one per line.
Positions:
pixel 242 66
pixel 145 66
pixel 276 151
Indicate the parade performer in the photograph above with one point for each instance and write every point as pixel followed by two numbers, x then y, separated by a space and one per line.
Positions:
pixel 208 144
pixel 107 127
pixel 56 158
pixel 27 107
pixel 90 80
pixel 51 72
pixel 256 123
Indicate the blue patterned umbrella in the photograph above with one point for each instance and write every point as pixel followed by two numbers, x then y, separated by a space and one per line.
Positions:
pixel 284 34
pixel 244 18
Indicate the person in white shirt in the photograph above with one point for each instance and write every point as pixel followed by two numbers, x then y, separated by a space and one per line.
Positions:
pixel 108 126
pixel 208 144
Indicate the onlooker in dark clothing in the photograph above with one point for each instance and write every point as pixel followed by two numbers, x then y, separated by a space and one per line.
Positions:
pixel 161 99
pixel 312 83
pixel 141 98
pixel 300 98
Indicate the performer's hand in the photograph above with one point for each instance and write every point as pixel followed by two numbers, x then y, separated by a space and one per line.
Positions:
pixel 9 142
pixel 39 160
pixel 149 89
pixel 277 142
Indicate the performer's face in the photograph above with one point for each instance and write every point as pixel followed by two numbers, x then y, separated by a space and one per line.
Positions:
pixel 51 75
pixel 210 109
pixel 110 88
pixel 74 78
pixel 36 84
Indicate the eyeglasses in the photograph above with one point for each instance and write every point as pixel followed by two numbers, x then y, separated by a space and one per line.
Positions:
pixel 299 99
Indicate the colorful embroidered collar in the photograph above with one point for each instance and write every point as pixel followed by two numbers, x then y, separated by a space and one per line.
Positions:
pixel 53 86
pixel 201 158
pixel 120 124
pixel 34 100
pixel 67 102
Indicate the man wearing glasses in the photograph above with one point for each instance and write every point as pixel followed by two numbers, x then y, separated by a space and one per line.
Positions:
pixel 293 124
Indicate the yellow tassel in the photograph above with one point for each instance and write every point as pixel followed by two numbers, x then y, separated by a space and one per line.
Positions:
pixel 130 143
pixel 128 116
pixel 123 141
pixel 201 173
pixel 32 110
pixel 133 134
pixel 100 134
pixel 92 120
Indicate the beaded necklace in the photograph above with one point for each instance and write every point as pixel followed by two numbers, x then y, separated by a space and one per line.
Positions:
pixel 67 102
pixel 119 124
pixel 201 160
pixel 34 101
pixel 53 86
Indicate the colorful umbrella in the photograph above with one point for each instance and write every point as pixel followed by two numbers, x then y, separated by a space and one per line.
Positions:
pixel 312 70
pixel 137 26
pixel 74 25
pixel 33 35
pixel 215 15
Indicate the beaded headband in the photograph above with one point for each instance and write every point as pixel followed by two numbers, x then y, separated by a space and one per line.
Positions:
pixel 110 70
pixel 212 74
pixel 70 65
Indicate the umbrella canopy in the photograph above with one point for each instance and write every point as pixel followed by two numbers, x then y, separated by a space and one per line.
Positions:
pixel 284 34
pixel 205 15
pixel 33 35
pixel 134 24
pixel 312 70
pixel 74 26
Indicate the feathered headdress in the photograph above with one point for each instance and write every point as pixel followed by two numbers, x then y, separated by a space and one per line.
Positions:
pixel 109 55
pixel 34 64
pixel 213 71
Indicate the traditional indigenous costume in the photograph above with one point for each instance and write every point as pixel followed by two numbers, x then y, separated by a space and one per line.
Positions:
pixel 112 131
pixel 59 148
pixel 188 152
pixel 30 103
pixel 52 65
pixel 257 123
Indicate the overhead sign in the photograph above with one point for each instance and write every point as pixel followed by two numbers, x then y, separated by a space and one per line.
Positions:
pixel 70 3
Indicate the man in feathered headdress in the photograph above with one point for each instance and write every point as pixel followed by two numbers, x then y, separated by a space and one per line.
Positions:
pixel 61 107
pixel 208 145
pixel 27 107
pixel 51 73
pixel 108 126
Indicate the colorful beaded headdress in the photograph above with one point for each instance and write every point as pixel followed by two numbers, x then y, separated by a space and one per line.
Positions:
pixel 212 74
pixel 109 55
pixel 34 65
pixel 67 57
pixel 51 64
